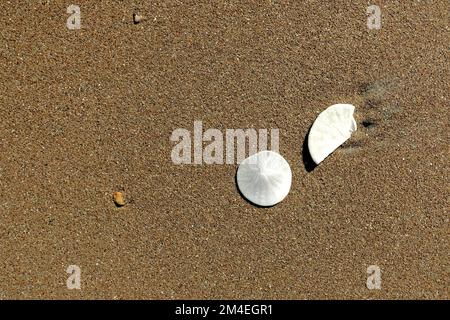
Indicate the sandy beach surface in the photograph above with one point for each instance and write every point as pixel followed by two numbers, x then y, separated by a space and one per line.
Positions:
pixel 86 113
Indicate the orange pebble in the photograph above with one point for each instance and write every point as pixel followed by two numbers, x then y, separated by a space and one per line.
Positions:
pixel 119 199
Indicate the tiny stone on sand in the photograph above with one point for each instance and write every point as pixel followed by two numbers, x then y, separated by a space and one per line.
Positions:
pixel 119 199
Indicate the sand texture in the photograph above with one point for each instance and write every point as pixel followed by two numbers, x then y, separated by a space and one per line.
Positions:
pixel 86 113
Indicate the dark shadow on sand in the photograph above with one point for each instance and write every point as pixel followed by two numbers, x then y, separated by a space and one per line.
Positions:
pixel 308 162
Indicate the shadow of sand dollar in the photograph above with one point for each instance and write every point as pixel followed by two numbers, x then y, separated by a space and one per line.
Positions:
pixel 307 160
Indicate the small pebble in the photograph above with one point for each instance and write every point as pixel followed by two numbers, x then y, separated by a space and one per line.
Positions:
pixel 137 18
pixel 119 199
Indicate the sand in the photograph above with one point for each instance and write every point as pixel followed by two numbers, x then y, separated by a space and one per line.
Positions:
pixel 86 113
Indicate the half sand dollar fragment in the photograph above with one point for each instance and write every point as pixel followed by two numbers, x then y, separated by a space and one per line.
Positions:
pixel 332 128
pixel 264 178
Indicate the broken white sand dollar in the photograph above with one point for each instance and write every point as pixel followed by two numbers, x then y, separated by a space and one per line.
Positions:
pixel 264 178
pixel 332 128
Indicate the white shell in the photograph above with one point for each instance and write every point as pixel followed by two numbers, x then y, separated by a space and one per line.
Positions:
pixel 331 129
pixel 264 178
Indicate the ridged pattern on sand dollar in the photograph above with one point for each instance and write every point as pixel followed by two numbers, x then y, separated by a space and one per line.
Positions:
pixel 332 128
pixel 264 178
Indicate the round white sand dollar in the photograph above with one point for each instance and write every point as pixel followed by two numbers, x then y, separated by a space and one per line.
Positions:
pixel 332 128
pixel 264 178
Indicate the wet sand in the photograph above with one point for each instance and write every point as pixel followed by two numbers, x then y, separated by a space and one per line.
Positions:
pixel 86 113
